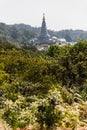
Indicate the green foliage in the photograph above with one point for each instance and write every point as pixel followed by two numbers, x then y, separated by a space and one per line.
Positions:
pixel 45 89
pixel 67 96
pixel 46 113
pixel 84 91
pixel 68 38
pixel 71 63
pixel 17 33
pixel 53 51
pixel 16 115
pixel 23 33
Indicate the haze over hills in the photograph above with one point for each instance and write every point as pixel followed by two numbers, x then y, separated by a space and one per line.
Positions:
pixel 22 33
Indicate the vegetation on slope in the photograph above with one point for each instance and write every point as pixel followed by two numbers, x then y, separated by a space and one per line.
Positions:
pixel 22 33
pixel 45 90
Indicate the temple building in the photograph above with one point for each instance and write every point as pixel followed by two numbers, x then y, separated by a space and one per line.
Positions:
pixel 44 37
pixel 45 40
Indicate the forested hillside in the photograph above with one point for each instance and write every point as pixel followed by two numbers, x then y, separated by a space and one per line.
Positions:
pixel 44 91
pixel 17 33
pixel 21 33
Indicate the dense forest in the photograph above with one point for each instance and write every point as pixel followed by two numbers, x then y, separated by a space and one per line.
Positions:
pixel 43 90
pixel 22 33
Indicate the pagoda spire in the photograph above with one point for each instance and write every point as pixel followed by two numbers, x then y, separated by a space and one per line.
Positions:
pixel 43 16
pixel 44 36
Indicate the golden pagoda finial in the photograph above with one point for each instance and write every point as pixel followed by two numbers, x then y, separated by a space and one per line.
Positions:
pixel 43 16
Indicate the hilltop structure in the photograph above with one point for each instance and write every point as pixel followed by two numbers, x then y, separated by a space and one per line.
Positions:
pixel 45 40
pixel 44 37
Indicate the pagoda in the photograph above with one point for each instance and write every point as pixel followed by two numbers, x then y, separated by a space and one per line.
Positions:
pixel 44 36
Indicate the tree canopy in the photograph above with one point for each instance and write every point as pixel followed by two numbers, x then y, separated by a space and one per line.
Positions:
pixel 48 89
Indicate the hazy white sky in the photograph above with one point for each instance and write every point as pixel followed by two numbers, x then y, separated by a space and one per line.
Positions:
pixel 60 14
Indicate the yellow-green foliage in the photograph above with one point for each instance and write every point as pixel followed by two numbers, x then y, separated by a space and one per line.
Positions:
pixel 47 90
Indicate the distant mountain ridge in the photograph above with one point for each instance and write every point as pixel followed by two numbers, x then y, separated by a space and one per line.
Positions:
pixel 22 33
